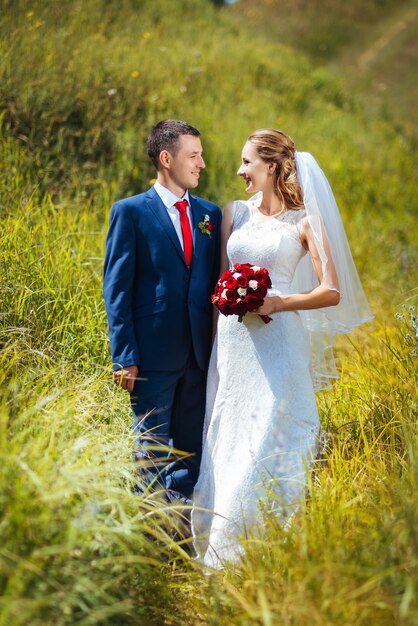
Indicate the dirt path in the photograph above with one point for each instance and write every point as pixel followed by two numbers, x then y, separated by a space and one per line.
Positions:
pixel 370 54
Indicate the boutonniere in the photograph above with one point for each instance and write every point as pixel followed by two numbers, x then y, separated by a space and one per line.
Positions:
pixel 206 226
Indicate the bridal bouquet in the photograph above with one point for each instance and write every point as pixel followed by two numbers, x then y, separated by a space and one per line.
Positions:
pixel 242 289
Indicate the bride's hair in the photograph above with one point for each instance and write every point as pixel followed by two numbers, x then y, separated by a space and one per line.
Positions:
pixel 274 146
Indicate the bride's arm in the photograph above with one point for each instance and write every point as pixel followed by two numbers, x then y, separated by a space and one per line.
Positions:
pixel 226 230
pixel 326 294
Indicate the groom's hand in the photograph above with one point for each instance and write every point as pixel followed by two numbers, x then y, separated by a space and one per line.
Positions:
pixel 126 377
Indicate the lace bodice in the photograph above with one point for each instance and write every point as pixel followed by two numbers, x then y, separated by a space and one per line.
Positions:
pixel 270 242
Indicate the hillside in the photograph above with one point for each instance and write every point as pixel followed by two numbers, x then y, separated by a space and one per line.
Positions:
pixel 371 46
pixel 80 86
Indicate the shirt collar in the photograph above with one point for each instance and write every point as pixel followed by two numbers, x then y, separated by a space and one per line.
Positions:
pixel 168 197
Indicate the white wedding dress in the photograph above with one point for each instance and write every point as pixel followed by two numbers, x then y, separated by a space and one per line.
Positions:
pixel 262 423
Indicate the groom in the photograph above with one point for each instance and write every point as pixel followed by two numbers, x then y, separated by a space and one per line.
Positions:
pixel 161 265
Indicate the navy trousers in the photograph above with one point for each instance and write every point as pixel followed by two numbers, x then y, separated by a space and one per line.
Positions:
pixel 169 409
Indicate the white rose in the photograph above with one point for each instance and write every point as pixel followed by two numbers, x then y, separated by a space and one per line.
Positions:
pixel 256 268
pixel 241 291
pixel 223 294
pixel 236 275
pixel 253 284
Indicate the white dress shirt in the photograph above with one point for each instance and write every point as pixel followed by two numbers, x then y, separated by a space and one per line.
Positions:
pixel 169 199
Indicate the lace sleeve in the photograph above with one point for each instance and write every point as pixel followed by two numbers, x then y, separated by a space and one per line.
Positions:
pixel 240 214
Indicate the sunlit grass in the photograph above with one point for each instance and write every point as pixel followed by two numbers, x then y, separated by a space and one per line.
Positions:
pixel 77 544
pixel 351 555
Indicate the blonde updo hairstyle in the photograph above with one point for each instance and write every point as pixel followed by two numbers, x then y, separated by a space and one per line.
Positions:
pixel 274 146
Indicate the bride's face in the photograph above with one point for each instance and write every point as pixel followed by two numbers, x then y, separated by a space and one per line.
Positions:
pixel 255 171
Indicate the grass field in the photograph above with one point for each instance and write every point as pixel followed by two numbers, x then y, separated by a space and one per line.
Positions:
pixel 80 86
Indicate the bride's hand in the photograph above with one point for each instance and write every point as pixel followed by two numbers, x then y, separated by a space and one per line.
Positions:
pixel 271 304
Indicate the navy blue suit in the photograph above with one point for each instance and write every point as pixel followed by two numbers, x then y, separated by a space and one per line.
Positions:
pixel 160 319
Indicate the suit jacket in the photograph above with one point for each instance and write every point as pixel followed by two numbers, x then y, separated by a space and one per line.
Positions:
pixel 156 307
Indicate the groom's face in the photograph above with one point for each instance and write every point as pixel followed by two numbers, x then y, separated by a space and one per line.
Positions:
pixel 185 165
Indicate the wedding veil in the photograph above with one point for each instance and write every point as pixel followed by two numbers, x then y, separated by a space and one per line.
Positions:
pixel 353 309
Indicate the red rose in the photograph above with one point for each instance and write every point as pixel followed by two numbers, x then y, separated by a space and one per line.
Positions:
pixel 241 308
pixel 226 308
pixel 263 280
pixel 238 267
pixel 230 283
pixel 242 281
pixel 253 302
pixel 230 295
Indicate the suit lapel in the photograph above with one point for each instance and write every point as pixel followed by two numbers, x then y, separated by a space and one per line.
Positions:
pixel 157 207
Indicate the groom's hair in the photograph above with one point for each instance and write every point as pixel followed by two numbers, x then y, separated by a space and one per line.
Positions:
pixel 165 136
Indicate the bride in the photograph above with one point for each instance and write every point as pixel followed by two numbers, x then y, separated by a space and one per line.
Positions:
pixel 262 423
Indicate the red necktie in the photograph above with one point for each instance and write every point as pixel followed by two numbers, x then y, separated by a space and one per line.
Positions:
pixel 186 231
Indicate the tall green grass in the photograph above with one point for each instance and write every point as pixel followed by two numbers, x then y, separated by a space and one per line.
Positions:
pixel 77 545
